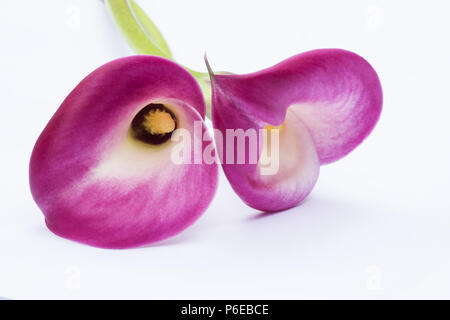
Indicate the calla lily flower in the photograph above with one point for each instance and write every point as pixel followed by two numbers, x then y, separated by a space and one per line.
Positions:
pixel 323 104
pixel 101 171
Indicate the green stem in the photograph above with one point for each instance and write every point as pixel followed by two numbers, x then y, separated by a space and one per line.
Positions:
pixel 144 38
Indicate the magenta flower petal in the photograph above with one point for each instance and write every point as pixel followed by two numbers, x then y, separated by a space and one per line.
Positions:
pixel 97 182
pixel 335 92
pixel 294 174
pixel 326 102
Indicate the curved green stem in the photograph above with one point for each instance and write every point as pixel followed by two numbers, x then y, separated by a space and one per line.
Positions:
pixel 144 38
pixel 140 32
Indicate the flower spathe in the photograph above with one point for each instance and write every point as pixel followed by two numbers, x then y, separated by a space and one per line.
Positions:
pixel 98 184
pixel 325 103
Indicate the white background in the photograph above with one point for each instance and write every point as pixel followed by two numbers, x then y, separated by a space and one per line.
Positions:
pixel 376 225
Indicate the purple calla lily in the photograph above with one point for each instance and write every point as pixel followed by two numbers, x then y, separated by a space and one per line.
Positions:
pixel 101 170
pixel 324 103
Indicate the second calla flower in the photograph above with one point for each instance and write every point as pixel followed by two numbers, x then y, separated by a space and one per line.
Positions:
pixel 323 103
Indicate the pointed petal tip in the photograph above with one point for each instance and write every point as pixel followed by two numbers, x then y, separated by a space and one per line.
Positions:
pixel 208 66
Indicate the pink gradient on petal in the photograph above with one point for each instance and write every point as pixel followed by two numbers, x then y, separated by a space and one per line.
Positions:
pixel 335 92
